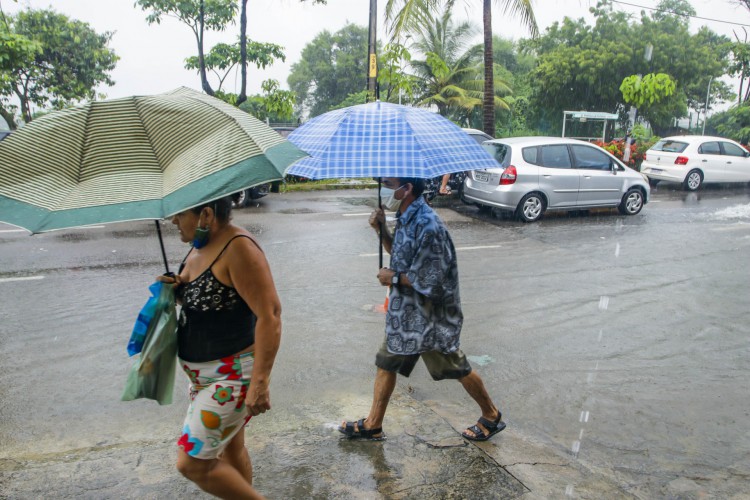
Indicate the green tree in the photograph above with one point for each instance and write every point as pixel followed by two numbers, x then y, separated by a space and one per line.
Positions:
pixel 406 15
pixel 512 66
pixel 579 64
pixel 740 67
pixel 650 89
pixel 199 16
pixel 393 82
pixel 733 123
pixel 450 76
pixel 202 15
pixel 223 58
pixel 331 68
pixel 48 59
pixel 273 105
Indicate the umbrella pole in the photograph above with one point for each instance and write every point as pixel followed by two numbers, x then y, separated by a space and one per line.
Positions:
pixel 380 233
pixel 161 243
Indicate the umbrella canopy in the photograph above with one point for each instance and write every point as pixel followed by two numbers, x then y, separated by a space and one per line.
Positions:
pixel 381 139
pixel 141 157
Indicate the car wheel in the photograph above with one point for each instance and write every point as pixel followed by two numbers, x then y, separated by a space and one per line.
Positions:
pixel 693 180
pixel 240 199
pixel 531 207
pixel 632 202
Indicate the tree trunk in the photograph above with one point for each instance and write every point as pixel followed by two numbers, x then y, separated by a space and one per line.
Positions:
pixel 9 118
pixel 201 58
pixel 488 103
pixel 243 53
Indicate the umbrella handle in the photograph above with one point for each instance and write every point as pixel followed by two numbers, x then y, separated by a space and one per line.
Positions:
pixel 161 243
pixel 380 234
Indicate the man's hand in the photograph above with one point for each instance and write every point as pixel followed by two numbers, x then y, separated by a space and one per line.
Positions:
pixel 377 219
pixel 385 275
pixel 258 399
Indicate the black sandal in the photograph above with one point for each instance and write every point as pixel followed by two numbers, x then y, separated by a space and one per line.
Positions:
pixel 492 429
pixel 356 430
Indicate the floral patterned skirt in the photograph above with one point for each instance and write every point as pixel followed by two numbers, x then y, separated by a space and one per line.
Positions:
pixel 217 409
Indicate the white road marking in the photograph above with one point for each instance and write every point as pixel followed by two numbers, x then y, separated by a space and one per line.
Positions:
pixel 459 249
pixel 25 278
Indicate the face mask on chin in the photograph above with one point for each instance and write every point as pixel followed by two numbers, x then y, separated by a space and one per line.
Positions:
pixel 388 197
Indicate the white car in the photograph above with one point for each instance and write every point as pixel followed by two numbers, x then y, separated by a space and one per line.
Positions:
pixel 535 174
pixel 693 160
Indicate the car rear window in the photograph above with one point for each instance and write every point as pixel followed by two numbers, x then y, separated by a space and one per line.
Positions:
pixel 500 152
pixel 669 146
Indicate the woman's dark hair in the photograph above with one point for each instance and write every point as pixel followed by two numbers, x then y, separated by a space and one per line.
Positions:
pixel 417 185
pixel 221 207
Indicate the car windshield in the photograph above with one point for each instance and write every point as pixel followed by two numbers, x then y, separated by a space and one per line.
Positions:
pixel 500 152
pixel 669 146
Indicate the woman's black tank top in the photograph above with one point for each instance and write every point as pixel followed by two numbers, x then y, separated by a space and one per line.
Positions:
pixel 214 321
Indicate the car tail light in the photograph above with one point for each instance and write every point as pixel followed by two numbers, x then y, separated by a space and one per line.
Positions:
pixel 681 160
pixel 509 176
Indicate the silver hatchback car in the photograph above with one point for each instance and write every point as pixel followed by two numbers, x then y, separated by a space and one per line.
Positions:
pixel 552 173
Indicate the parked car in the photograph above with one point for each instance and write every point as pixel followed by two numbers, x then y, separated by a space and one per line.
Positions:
pixel 478 135
pixel 693 160
pixel 456 180
pixel 536 174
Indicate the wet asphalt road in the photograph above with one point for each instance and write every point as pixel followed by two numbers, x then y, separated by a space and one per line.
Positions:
pixel 620 342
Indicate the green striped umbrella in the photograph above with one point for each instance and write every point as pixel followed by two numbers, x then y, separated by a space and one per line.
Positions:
pixel 141 157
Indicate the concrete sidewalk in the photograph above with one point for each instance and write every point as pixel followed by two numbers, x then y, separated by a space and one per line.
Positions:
pixel 423 456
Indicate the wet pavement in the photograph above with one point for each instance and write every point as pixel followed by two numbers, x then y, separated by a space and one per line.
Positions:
pixel 616 346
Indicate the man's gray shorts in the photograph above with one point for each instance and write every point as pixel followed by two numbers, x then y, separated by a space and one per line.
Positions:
pixel 440 365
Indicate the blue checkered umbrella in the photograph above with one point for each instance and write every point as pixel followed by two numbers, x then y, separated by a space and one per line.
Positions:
pixel 381 139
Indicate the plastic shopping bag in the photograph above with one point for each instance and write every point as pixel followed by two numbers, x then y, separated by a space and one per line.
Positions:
pixel 153 372
pixel 135 345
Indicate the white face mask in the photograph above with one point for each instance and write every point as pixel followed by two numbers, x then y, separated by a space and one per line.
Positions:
pixel 388 197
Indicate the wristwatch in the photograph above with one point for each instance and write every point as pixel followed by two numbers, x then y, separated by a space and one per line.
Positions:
pixel 395 279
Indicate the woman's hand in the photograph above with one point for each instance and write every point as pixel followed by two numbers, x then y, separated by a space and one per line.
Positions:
pixel 173 279
pixel 258 399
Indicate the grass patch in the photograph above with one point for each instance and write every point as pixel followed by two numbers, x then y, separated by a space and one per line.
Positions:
pixel 325 184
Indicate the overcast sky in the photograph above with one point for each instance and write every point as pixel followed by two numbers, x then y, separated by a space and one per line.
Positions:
pixel 152 57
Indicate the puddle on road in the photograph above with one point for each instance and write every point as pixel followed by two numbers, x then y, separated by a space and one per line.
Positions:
pixel 297 211
pixel 482 360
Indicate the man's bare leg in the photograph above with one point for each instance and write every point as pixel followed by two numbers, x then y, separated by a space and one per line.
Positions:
pixel 474 385
pixel 385 382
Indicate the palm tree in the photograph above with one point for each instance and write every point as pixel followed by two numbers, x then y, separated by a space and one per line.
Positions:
pixel 450 76
pixel 405 15
pixel 449 71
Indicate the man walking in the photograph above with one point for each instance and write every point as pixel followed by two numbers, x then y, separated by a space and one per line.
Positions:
pixel 424 315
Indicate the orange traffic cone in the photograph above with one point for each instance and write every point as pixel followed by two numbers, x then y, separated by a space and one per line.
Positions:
pixel 384 307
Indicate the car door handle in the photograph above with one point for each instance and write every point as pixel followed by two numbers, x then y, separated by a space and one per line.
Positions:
pixel 587 176
pixel 729 163
pixel 704 161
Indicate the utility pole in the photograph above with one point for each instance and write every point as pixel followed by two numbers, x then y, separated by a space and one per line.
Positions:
pixel 705 113
pixel 372 66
